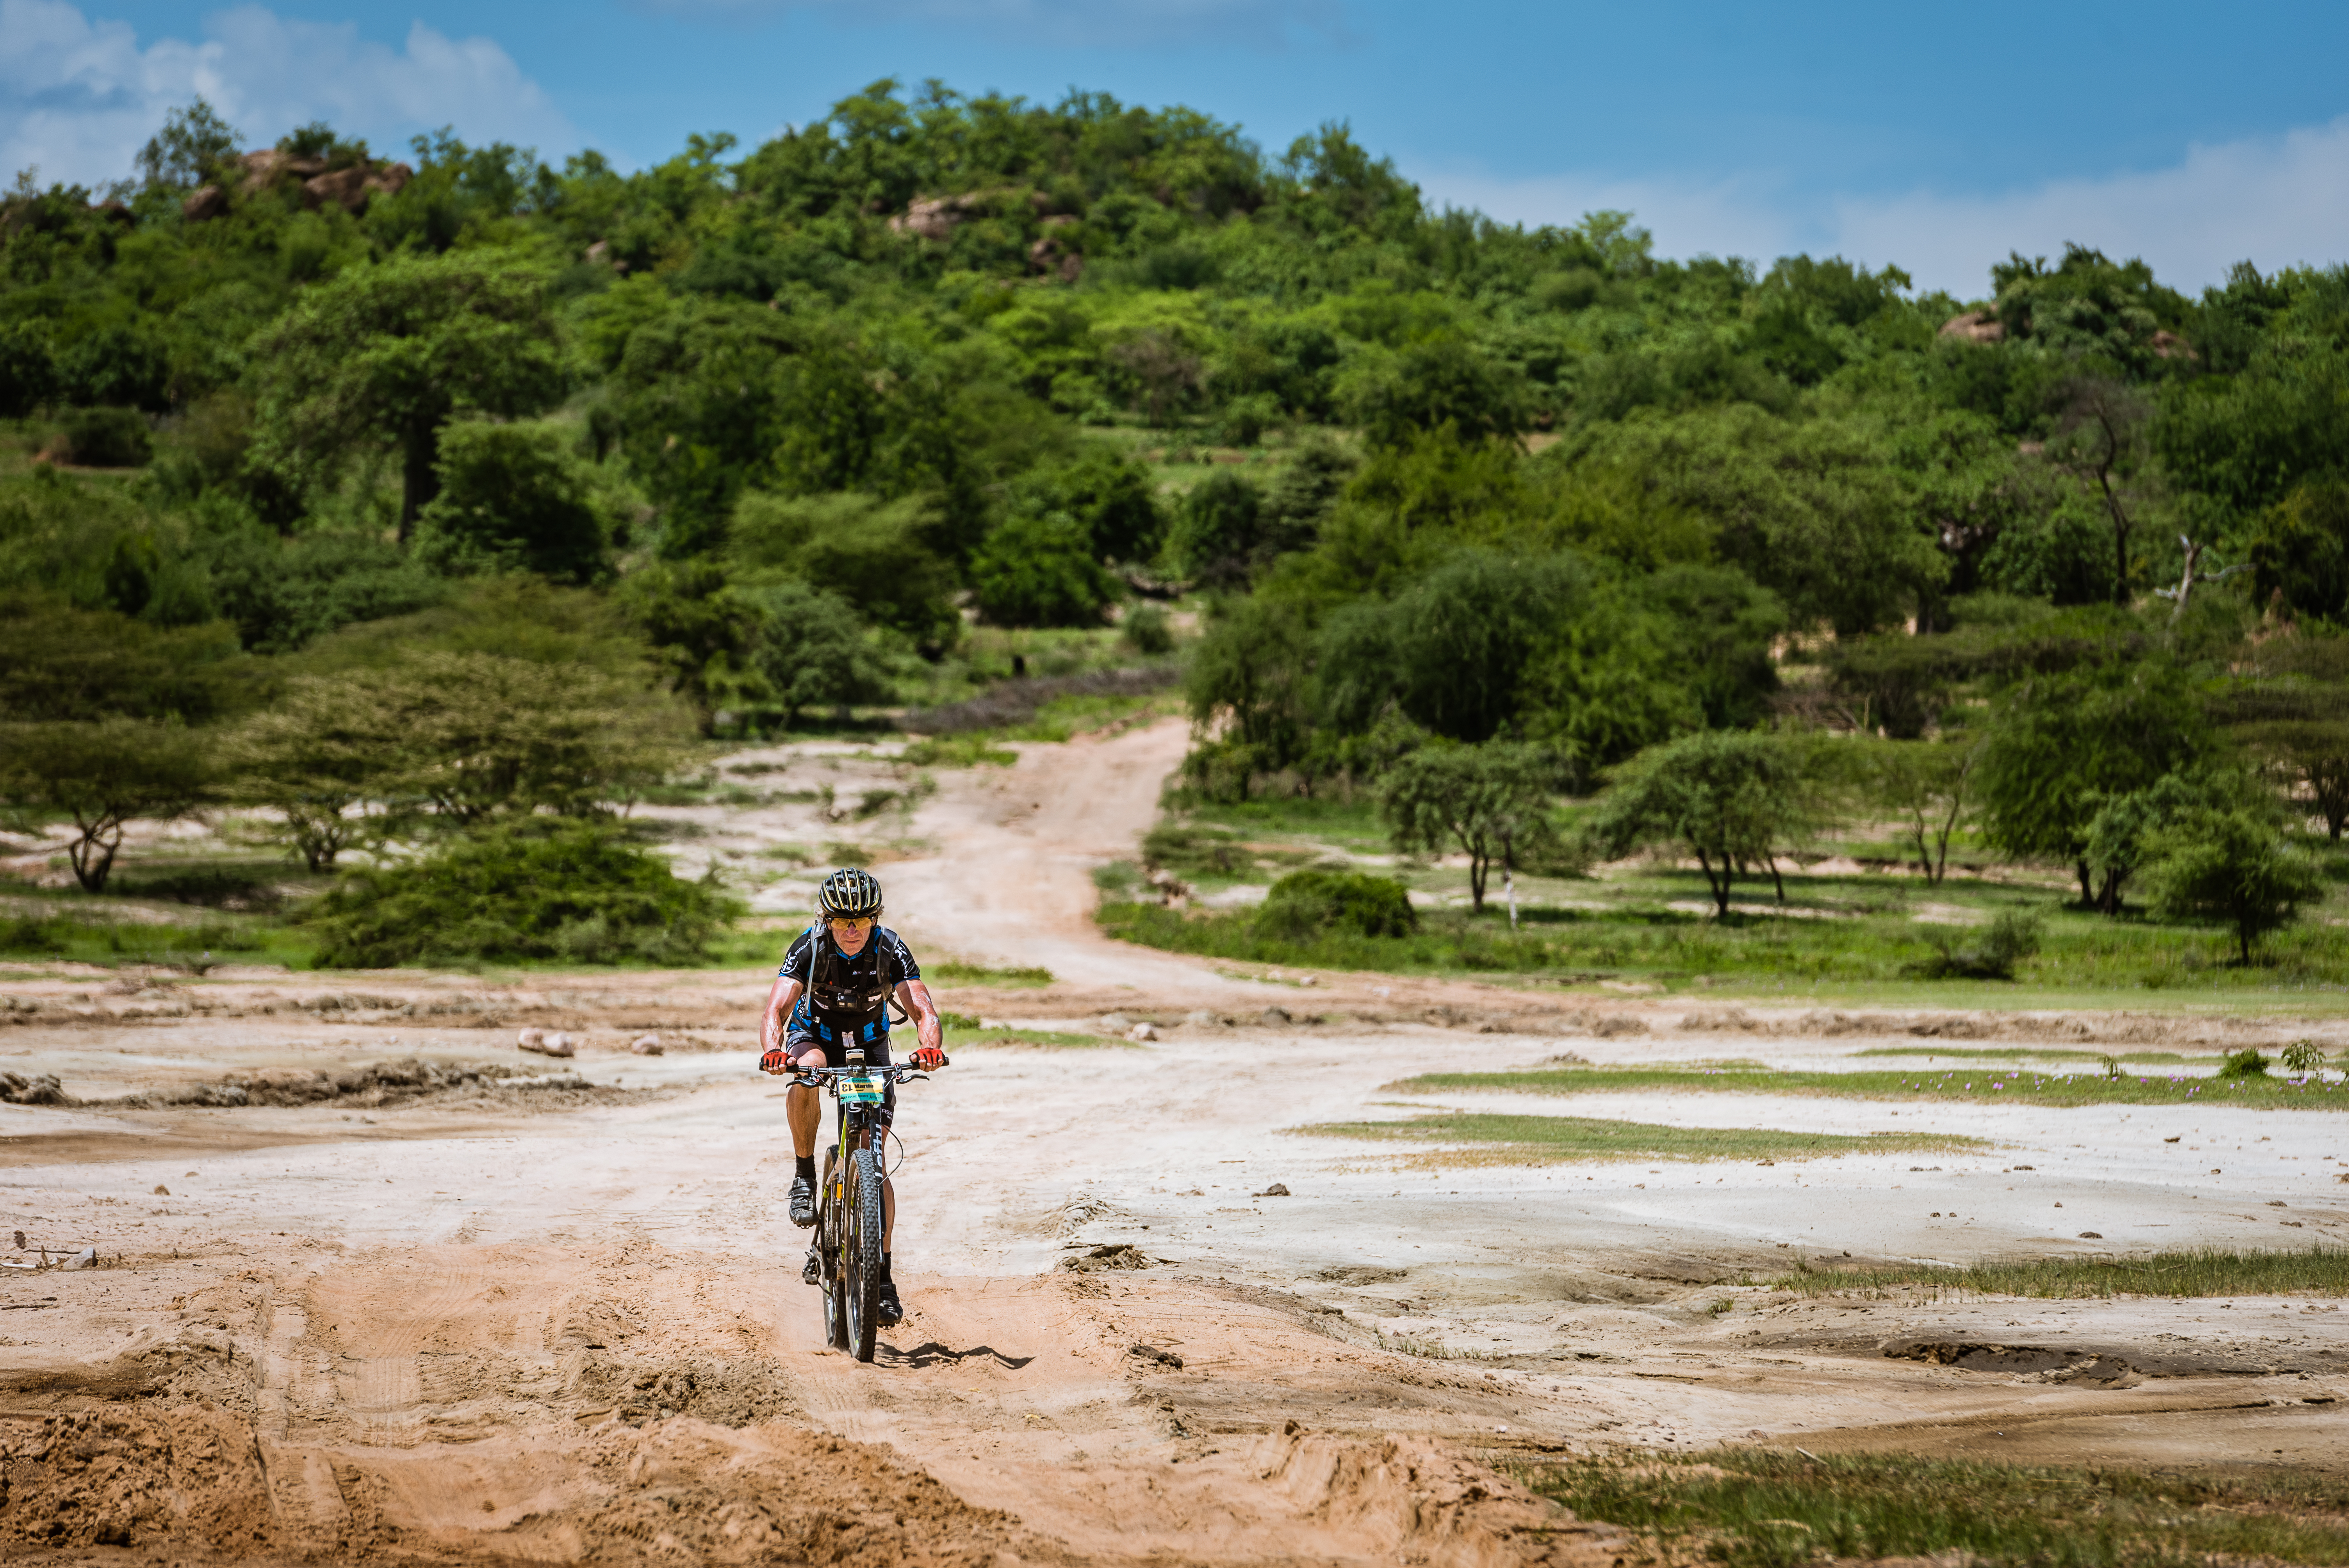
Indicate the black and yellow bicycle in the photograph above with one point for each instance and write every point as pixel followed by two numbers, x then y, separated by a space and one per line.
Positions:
pixel 849 1217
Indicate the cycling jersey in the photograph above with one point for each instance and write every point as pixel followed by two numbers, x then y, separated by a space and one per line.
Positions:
pixel 845 998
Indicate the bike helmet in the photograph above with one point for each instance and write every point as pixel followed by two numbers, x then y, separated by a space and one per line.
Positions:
pixel 851 894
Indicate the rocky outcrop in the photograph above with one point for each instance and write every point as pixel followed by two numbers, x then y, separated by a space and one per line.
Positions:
pixel 350 187
pixel 1056 254
pixel 1974 326
pixel 209 202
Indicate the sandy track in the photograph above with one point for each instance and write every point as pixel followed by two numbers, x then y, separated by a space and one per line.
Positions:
pixel 569 1328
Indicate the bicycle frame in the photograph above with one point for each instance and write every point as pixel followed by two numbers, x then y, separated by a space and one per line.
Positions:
pixel 850 1215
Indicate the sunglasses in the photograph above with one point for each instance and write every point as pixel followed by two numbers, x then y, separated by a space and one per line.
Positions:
pixel 851 922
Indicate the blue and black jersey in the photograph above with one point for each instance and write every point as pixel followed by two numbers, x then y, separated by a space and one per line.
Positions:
pixel 847 998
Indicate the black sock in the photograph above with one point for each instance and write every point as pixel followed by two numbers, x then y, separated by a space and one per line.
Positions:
pixel 805 1166
pixel 885 1265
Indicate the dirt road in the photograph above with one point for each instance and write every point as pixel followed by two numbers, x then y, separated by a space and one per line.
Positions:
pixel 415 1315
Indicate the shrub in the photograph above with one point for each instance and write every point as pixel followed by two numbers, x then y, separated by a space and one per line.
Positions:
pixel 511 500
pixel 1145 631
pixel 541 888
pixel 2005 942
pixel 105 438
pixel 1041 572
pixel 2246 1063
pixel 1306 904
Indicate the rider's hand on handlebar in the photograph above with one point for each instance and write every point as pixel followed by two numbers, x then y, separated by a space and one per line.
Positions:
pixel 775 1061
pixel 929 1058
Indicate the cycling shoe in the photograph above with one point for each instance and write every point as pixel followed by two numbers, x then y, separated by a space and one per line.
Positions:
pixel 891 1312
pixel 812 1271
pixel 802 1202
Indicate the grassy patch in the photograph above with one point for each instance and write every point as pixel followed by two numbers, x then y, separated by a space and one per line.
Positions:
pixel 2025 1054
pixel 1546 1139
pixel 1748 1510
pixel 1971 1085
pixel 1446 941
pixel 194 948
pixel 2203 1271
pixel 1047 1040
pixel 956 972
pixel 960 751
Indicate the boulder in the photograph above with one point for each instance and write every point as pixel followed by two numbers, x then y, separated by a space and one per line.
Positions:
pixel 347 188
pixel 932 218
pixel 1974 326
pixel 646 1046
pixel 531 1039
pixel 1141 1032
pixel 546 1045
pixel 209 202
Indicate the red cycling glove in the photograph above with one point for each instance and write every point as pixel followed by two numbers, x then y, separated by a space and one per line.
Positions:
pixel 929 1058
pixel 775 1061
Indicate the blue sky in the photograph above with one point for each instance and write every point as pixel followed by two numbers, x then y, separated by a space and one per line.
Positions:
pixel 2195 137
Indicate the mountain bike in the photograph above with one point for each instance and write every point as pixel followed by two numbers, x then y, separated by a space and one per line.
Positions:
pixel 849 1218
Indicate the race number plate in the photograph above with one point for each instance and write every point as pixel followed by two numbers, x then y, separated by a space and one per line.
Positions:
pixel 862 1092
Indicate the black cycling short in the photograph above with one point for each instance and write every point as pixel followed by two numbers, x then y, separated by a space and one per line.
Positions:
pixel 877 1055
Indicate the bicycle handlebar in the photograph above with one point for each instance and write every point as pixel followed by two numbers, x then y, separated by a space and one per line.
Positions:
pixel 893 1071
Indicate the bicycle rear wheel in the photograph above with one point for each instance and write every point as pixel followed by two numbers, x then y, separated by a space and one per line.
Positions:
pixel 863 1275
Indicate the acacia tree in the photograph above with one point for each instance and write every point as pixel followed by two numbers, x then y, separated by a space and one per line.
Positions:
pixel 313 759
pixel 1734 798
pixel 103 776
pixel 392 352
pixel 2060 745
pixel 2232 865
pixel 1925 784
pixel 2100 441
pixel 1490 801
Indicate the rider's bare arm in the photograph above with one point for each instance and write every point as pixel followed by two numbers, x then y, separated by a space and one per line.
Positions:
pixel 914 997
pixel 780 999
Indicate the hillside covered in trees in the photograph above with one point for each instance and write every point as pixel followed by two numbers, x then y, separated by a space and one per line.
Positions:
pixel 318 458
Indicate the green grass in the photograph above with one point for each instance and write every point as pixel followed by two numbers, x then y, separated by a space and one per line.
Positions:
pixel 197 947
pixel 1973 1086
pixel 1839 934
pixel 1768 1509
pixel 2201 1271
pixel 1548 1139
pixel 956 972
pixel 2026 1053
pixel 1046 1038
pixel 972 750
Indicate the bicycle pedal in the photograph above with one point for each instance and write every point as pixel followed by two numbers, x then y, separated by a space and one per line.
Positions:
pixel 812 1271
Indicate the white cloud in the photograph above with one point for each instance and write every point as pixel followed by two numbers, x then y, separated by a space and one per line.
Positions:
pixel 1066 24
pixel 2277 200
pixel 77 96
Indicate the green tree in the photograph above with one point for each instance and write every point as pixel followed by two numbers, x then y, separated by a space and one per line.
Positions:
pixel 193 147
pixel 1490 802
pixel 1247 686
pixel 312 760
pixel 701 629
pixel 1734 799
pixel 2059 744
pixel 510 499
pixel 1217 538
pixel 104 775
pixel 471 735
pixel 1439 383
pixel 392 352
pixel 812 650
pixel 1924 785
pixel 873 553
pixel 1041 572
pixel 2232 865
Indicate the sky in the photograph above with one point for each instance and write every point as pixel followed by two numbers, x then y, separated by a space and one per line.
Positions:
pixel 1934 139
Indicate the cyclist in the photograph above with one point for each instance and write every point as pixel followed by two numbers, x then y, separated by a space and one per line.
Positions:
pixel 832 992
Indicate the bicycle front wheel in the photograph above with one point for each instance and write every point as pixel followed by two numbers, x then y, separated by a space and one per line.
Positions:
pixel 864 1239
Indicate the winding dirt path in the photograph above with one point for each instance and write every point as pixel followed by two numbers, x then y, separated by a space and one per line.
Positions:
pixel 560 1321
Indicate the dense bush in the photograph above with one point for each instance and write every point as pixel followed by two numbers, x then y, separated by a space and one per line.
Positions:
pixel 105 438
pixel 1303 905
pixel 542 888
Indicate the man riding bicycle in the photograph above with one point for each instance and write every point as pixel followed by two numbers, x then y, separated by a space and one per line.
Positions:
pixel 833 993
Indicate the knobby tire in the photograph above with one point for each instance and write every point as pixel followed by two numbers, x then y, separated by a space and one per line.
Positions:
pixel 832 1214
pixel 864 1239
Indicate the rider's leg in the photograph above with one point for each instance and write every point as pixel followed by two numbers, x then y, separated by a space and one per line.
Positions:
pixel 888 1214
pixel 803 1109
